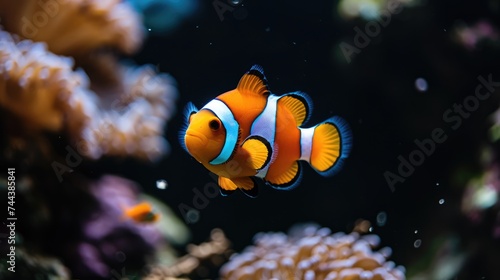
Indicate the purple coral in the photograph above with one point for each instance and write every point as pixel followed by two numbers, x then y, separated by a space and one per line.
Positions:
pixel 109 241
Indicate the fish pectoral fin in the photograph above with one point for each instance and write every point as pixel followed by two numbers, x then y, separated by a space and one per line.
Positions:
pixel 259 151
pixel 244 183
pixel 299 104
pixel 254 82
pixel 227 184
pixel 189 110
pixel 288 179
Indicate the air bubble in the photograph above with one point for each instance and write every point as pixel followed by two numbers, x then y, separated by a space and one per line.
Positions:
pixel 381 219
pixel 417 243
pixel 421 84
pixel 161 184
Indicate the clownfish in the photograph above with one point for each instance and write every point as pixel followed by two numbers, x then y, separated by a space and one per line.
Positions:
pixel 248 133
pixel 141 213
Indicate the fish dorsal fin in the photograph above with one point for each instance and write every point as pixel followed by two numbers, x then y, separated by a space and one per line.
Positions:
pixel 259 151
pixel 299 104
pixel 254 82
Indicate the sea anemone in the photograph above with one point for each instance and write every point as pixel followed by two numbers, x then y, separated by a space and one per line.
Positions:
pixel 310 252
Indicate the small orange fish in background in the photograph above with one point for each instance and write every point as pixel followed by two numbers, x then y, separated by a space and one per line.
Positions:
pixel 249 133
pixel 141 213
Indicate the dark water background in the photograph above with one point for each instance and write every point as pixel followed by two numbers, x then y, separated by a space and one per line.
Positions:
pixel 297 43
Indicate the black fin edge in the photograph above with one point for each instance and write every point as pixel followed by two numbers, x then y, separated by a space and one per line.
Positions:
pixel 295 182
pixel 254 192
pixel 268 146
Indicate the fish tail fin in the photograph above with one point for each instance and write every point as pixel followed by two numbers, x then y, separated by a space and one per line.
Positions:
pixel 326 145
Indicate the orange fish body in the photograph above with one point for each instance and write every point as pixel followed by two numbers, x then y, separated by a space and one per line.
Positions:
pixel 249 133
pixel 141 213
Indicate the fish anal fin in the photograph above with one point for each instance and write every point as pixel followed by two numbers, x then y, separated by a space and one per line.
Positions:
pixel 288 179
pixel 259 151
pixel 254 81
pixel 299 104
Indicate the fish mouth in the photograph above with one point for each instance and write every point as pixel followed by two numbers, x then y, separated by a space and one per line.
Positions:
pixel 196 135
pixel 195 141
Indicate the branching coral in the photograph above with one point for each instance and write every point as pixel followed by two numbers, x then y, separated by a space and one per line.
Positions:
pixel 213 251
pixel 74 27
pixel 41 90
pixel 121 112
pixel 312 253
pixel 48 104
pixel 135 120
pixel 35 84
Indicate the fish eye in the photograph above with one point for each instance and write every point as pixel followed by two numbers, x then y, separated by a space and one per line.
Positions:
pixel 214 125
